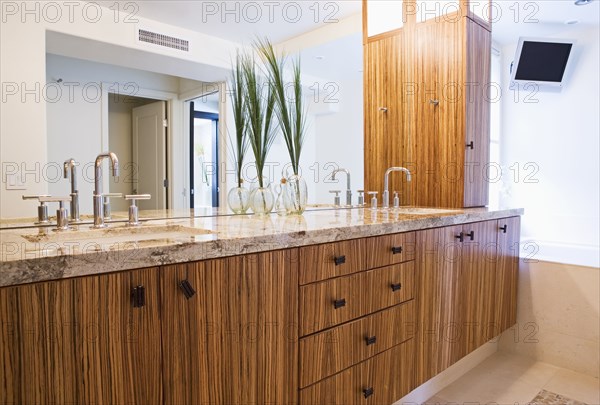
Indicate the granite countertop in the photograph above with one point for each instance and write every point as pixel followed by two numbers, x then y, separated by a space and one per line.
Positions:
pixel 40 254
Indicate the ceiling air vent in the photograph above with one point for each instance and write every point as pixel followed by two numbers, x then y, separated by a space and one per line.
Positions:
pixel 164 40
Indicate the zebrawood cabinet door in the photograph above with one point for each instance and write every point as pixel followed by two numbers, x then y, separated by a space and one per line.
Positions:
pixel 478 283
pixel 507 272
pixel 251 306
pixel 82 341
pixel 439 303
pixel 184 334
pixel 387 129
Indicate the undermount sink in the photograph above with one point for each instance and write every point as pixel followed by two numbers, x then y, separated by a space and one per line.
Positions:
pixel 118 234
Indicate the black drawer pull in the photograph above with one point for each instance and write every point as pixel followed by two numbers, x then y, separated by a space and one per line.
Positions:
pixel 504 228
pixel 339 260
pixel 396 250
pixel 471 235
pixel 396 287
pixel 187 289
pixel 371 340
pixel 460 237
pixel 337 304
pixel 471 145
pixel 138 296
pixel 368 392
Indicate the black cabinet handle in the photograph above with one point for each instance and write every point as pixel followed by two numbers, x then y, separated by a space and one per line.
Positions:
pixel 187 289
pixel 371 340
pixel 396 250
pixel 504 228
pixel 339 260
pixel 337 304
pixel 471 145
pixel 368 392
pixel 138 296
pixel 396 287
pixel 460 237
pixel 471 235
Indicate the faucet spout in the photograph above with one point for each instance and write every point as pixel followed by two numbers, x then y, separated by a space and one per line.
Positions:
pixel 71 172
pixel 386 189
pixel 348 183
pixel 98 192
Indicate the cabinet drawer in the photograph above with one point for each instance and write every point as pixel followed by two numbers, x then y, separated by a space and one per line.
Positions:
pixel 390 249
pixel 329 352
pixel 321 262
pixel 381 380
pixel 329 303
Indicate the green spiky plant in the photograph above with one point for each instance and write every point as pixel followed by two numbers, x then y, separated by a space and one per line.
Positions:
pixel 259 109
pixel 291 113
pixel 239 146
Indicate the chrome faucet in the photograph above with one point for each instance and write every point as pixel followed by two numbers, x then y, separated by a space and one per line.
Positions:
pixel 348 184
pixel 98 194
pixel 386 190
pixel 70 172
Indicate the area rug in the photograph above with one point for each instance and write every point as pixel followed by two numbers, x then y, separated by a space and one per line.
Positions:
pixel 550 398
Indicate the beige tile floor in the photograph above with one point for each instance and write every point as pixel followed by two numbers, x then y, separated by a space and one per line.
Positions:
pixel 507 379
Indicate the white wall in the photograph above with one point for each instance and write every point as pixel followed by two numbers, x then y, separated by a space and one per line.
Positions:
pixel 557 136
pixel 23 141
pixel 340 142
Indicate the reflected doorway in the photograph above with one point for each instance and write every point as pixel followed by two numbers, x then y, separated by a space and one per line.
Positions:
pixel 204 161
pixel 138 135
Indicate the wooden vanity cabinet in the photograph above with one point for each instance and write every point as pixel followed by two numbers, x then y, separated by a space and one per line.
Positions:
pixel 81 341
pixel 467 279
pixel 267 328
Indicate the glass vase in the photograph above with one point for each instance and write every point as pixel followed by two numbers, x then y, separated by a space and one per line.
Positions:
pixel 261 200
pixel 238 200
pixel 296 194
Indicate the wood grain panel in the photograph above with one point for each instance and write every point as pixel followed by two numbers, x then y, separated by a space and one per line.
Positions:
pixel 380 249
pixel 507 273
pixel 184 335
pixel 318 261
pixel 478 283
pixel 79 341
pixel 386 86
pixel 382 373
pixel 120 344
pixel 326 353
pixel 479 42
pixel 439 303
pixel 252 315
pixel 317 310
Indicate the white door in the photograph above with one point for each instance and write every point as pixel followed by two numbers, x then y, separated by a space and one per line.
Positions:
pixel 149 154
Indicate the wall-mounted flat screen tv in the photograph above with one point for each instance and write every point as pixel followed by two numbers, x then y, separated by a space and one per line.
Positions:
pixel 542 61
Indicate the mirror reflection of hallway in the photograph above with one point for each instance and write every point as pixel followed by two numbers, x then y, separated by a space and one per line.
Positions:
pixel 137 134
pixel 204 161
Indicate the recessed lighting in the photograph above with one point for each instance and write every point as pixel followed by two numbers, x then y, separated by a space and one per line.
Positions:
pixel 572 22
pixel 320 57
pixel 582 2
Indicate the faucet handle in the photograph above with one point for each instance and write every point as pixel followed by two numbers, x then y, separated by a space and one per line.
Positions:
pixel 396 200
pixel 42 208
pixel 336 199
pixel 62 214
pixel 106 203
pixel 133 209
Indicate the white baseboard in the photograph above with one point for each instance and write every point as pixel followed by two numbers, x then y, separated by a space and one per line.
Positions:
pixel 448 376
